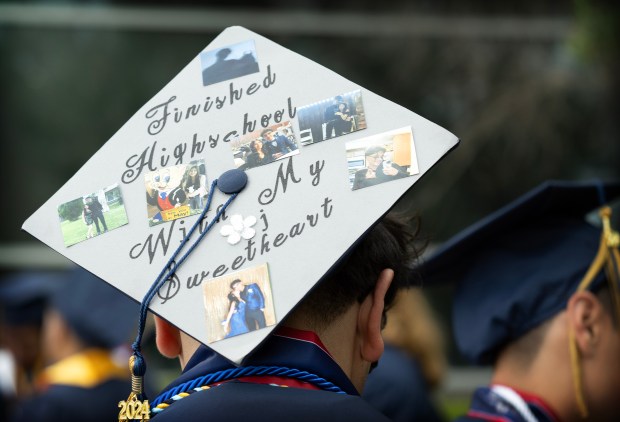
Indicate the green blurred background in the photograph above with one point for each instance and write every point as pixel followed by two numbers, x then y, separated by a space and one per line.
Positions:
pixel 530 87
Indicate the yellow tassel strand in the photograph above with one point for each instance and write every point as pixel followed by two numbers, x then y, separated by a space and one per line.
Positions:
pixel 607 258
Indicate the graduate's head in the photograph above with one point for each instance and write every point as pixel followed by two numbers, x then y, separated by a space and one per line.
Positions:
pixel 536 281
pixel 291 223
pixel 23 298
pixel 390 244
pixel 84 312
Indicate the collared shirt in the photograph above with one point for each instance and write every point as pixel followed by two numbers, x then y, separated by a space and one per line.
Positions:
pixel 499 403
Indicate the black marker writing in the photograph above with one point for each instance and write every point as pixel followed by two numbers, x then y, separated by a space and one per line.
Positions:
pixel 152 246
pixel 140 161
pixel 263 217
pixel 161 111
pixel 265 120
pixel 158 116
pixel 169 289
pixel 315 170
pixel 268 195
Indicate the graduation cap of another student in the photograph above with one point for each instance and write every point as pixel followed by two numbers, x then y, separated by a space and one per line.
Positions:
pixel 299 139
pixel 24 295
pixel 98 314
pixel 517 267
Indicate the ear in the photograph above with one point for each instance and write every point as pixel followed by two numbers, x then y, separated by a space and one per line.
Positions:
pixel 168 338
pixel 585 316
pixel 370 316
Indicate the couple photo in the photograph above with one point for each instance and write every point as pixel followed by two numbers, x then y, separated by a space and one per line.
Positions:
pixel 238 303
pixel 331 118
pixel 91 215
pixel 265 146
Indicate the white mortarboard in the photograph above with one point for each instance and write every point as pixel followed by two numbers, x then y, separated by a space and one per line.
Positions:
pixel 316 184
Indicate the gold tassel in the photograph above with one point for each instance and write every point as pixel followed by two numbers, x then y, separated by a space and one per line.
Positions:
pixel 606 258
pixel 133 409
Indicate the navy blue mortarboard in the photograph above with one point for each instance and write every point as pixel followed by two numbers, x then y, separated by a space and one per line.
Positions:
pixel 100 315
pixel 517 267
pixel 24 294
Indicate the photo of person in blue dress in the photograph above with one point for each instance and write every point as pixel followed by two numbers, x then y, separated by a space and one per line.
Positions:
pixel 235 323
pixel 238 303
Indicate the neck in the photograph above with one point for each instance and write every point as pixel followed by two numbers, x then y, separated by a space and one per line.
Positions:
pixel 341 341
pixel 547 375
pixel 188 347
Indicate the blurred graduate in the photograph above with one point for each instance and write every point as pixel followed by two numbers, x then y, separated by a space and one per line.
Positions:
pixel 23 297
pixel 84 322
pixel 537 298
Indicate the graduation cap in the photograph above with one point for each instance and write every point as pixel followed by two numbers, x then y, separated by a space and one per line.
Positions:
pixel 517 267
pixel 24 295
pixel 246 151
pixel 98 314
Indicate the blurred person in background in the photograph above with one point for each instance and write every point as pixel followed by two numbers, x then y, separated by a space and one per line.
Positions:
pixel 23 296
pixel 413 363
pixel 537 298
pixel 85 322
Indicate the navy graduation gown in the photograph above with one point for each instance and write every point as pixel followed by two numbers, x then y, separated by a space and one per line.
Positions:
pixel 398 389
pixel 271 398
pixel 84 387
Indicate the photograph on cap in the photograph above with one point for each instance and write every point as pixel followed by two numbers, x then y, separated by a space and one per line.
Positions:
pixel 331 117
pixel 381 158
pixel 229 62
pixel 264 146
pixel 91 215
pixel 175 192
pixel 238 303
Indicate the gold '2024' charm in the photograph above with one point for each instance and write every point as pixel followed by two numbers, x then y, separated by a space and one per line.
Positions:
pixel 133 409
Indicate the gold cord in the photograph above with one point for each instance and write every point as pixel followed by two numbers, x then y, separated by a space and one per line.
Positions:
pixel 606 258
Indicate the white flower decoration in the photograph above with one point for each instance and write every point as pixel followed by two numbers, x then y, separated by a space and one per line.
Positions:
pixel 238 228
